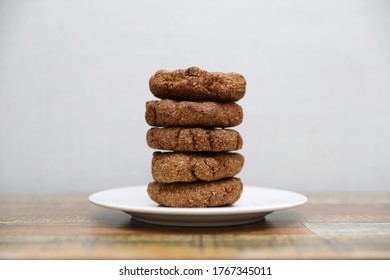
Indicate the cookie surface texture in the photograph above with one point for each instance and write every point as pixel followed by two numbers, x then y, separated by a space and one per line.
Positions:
pixel 194 139
pixel 193 114
pixel 190 167
pixel 196 194
pixel 196 84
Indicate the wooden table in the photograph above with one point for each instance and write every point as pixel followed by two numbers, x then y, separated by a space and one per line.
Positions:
pixel 329 226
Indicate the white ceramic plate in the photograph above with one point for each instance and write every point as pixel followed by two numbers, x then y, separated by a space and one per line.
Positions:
pixel 254 204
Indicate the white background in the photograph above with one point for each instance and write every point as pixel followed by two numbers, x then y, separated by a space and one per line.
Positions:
pixel 74 81
pixel 109 269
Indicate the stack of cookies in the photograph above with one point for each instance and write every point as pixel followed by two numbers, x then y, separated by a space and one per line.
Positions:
pixel 190 122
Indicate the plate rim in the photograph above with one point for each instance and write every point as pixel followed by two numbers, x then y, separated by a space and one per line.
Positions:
pixel 156 210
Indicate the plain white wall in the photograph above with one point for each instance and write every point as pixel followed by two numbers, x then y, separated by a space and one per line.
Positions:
pixel 74 81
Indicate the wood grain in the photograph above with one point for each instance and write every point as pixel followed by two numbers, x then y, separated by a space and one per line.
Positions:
pixel 329 226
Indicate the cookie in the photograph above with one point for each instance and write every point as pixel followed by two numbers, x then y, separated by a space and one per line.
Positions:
pixel 196 84
pixel 182 139
pixel 190 167
pixel 190 113
pixel 196 194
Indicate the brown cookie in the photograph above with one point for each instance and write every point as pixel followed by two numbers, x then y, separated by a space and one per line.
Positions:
pixel 194 139
pixel 196 194
pixel 196 84
pixel 191 167
pixel 190 113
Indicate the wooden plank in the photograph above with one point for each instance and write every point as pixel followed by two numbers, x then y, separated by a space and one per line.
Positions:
pixel 330 226
pixel 338 229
